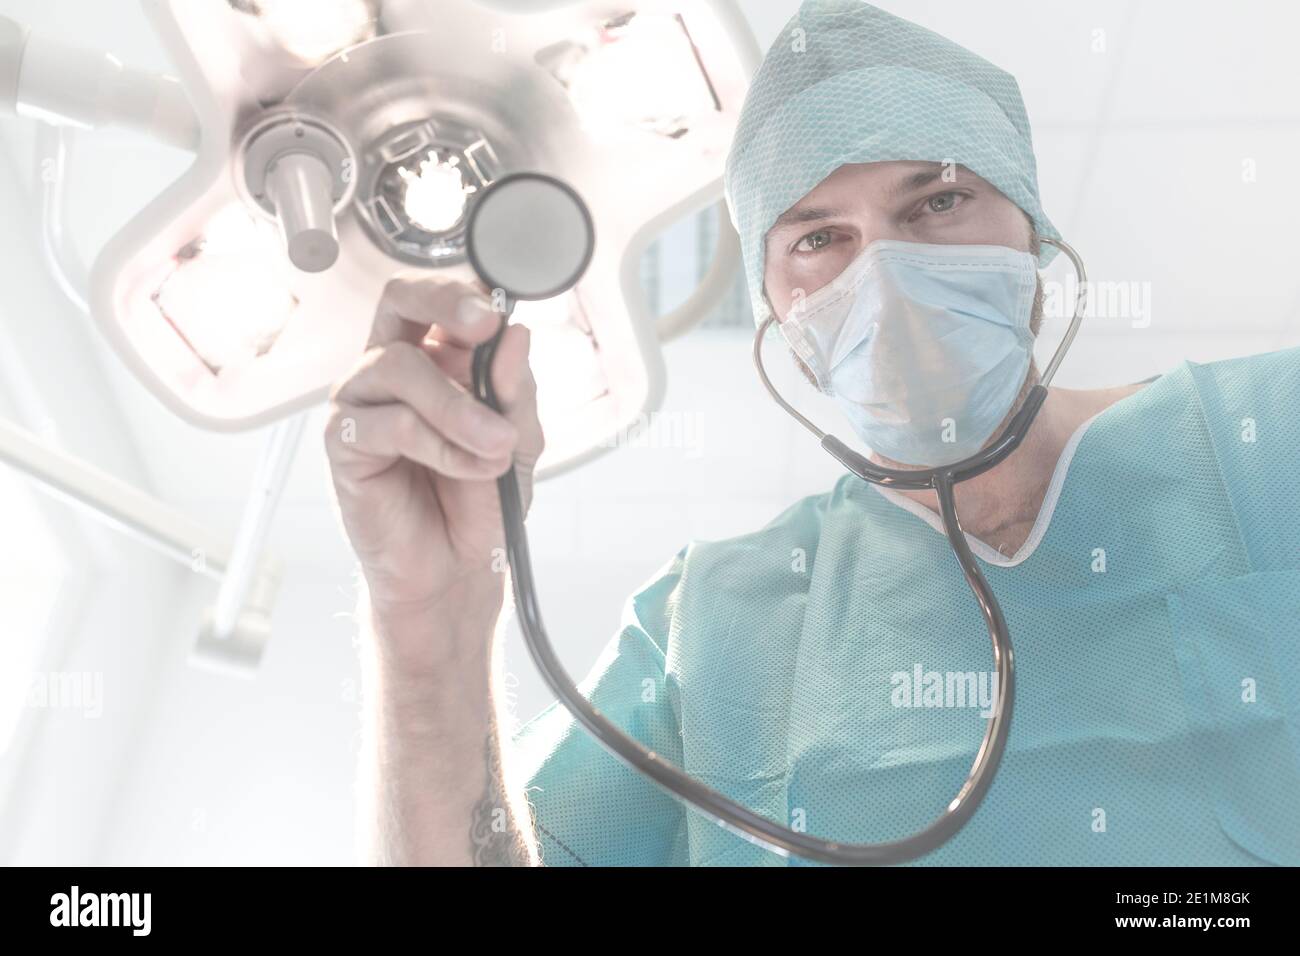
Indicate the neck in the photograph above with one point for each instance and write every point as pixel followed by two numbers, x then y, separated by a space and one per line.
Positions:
pixel 1000 506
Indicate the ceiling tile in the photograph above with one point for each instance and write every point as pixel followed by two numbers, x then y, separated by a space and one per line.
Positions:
pixel 1205 64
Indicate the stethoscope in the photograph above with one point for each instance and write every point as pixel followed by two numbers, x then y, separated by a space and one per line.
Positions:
pixel 529 237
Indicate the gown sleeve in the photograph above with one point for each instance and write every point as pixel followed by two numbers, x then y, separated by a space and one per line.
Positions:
pixel 588 807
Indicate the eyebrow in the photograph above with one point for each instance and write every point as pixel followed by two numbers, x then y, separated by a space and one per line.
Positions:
pixel 801 214
pixel 917 180
pixel 908 184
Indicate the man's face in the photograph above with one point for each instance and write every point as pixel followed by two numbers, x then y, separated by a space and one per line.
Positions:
pixel 813 241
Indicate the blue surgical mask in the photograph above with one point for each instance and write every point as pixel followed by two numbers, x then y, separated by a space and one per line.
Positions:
pixel 923 346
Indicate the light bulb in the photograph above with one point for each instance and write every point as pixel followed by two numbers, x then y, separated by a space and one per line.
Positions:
pixel 435 192
pixel 228 296
pixel 641 73
pixel 314 30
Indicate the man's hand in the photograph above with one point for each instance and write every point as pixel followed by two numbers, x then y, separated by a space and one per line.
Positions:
pixel 414 455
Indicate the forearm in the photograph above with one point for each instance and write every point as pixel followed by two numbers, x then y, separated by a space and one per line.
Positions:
pixel 434 791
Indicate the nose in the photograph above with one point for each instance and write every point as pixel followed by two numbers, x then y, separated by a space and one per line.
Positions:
pixel 875 227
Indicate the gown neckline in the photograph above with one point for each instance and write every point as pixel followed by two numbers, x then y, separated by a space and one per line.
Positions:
pixel 986 552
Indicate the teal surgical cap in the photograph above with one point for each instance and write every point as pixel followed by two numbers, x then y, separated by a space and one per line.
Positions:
pixel 848 83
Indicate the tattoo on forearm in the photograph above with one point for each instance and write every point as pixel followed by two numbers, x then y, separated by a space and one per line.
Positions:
pixel 495 839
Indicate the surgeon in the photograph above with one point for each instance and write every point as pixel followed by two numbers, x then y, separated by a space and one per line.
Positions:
pixel 831 670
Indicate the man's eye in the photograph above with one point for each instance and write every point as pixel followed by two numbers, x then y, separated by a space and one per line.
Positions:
pixel 814 241
pixel 943 202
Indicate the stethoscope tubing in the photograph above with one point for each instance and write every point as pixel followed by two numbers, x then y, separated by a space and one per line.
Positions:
pixel 724 811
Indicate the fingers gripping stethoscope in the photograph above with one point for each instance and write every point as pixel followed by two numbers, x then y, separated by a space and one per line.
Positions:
pixel 529 236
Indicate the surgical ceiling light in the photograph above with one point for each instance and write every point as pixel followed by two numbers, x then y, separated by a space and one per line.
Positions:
pixel 341 141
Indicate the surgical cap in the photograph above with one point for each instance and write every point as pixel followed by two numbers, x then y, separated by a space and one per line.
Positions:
pixel 846 82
